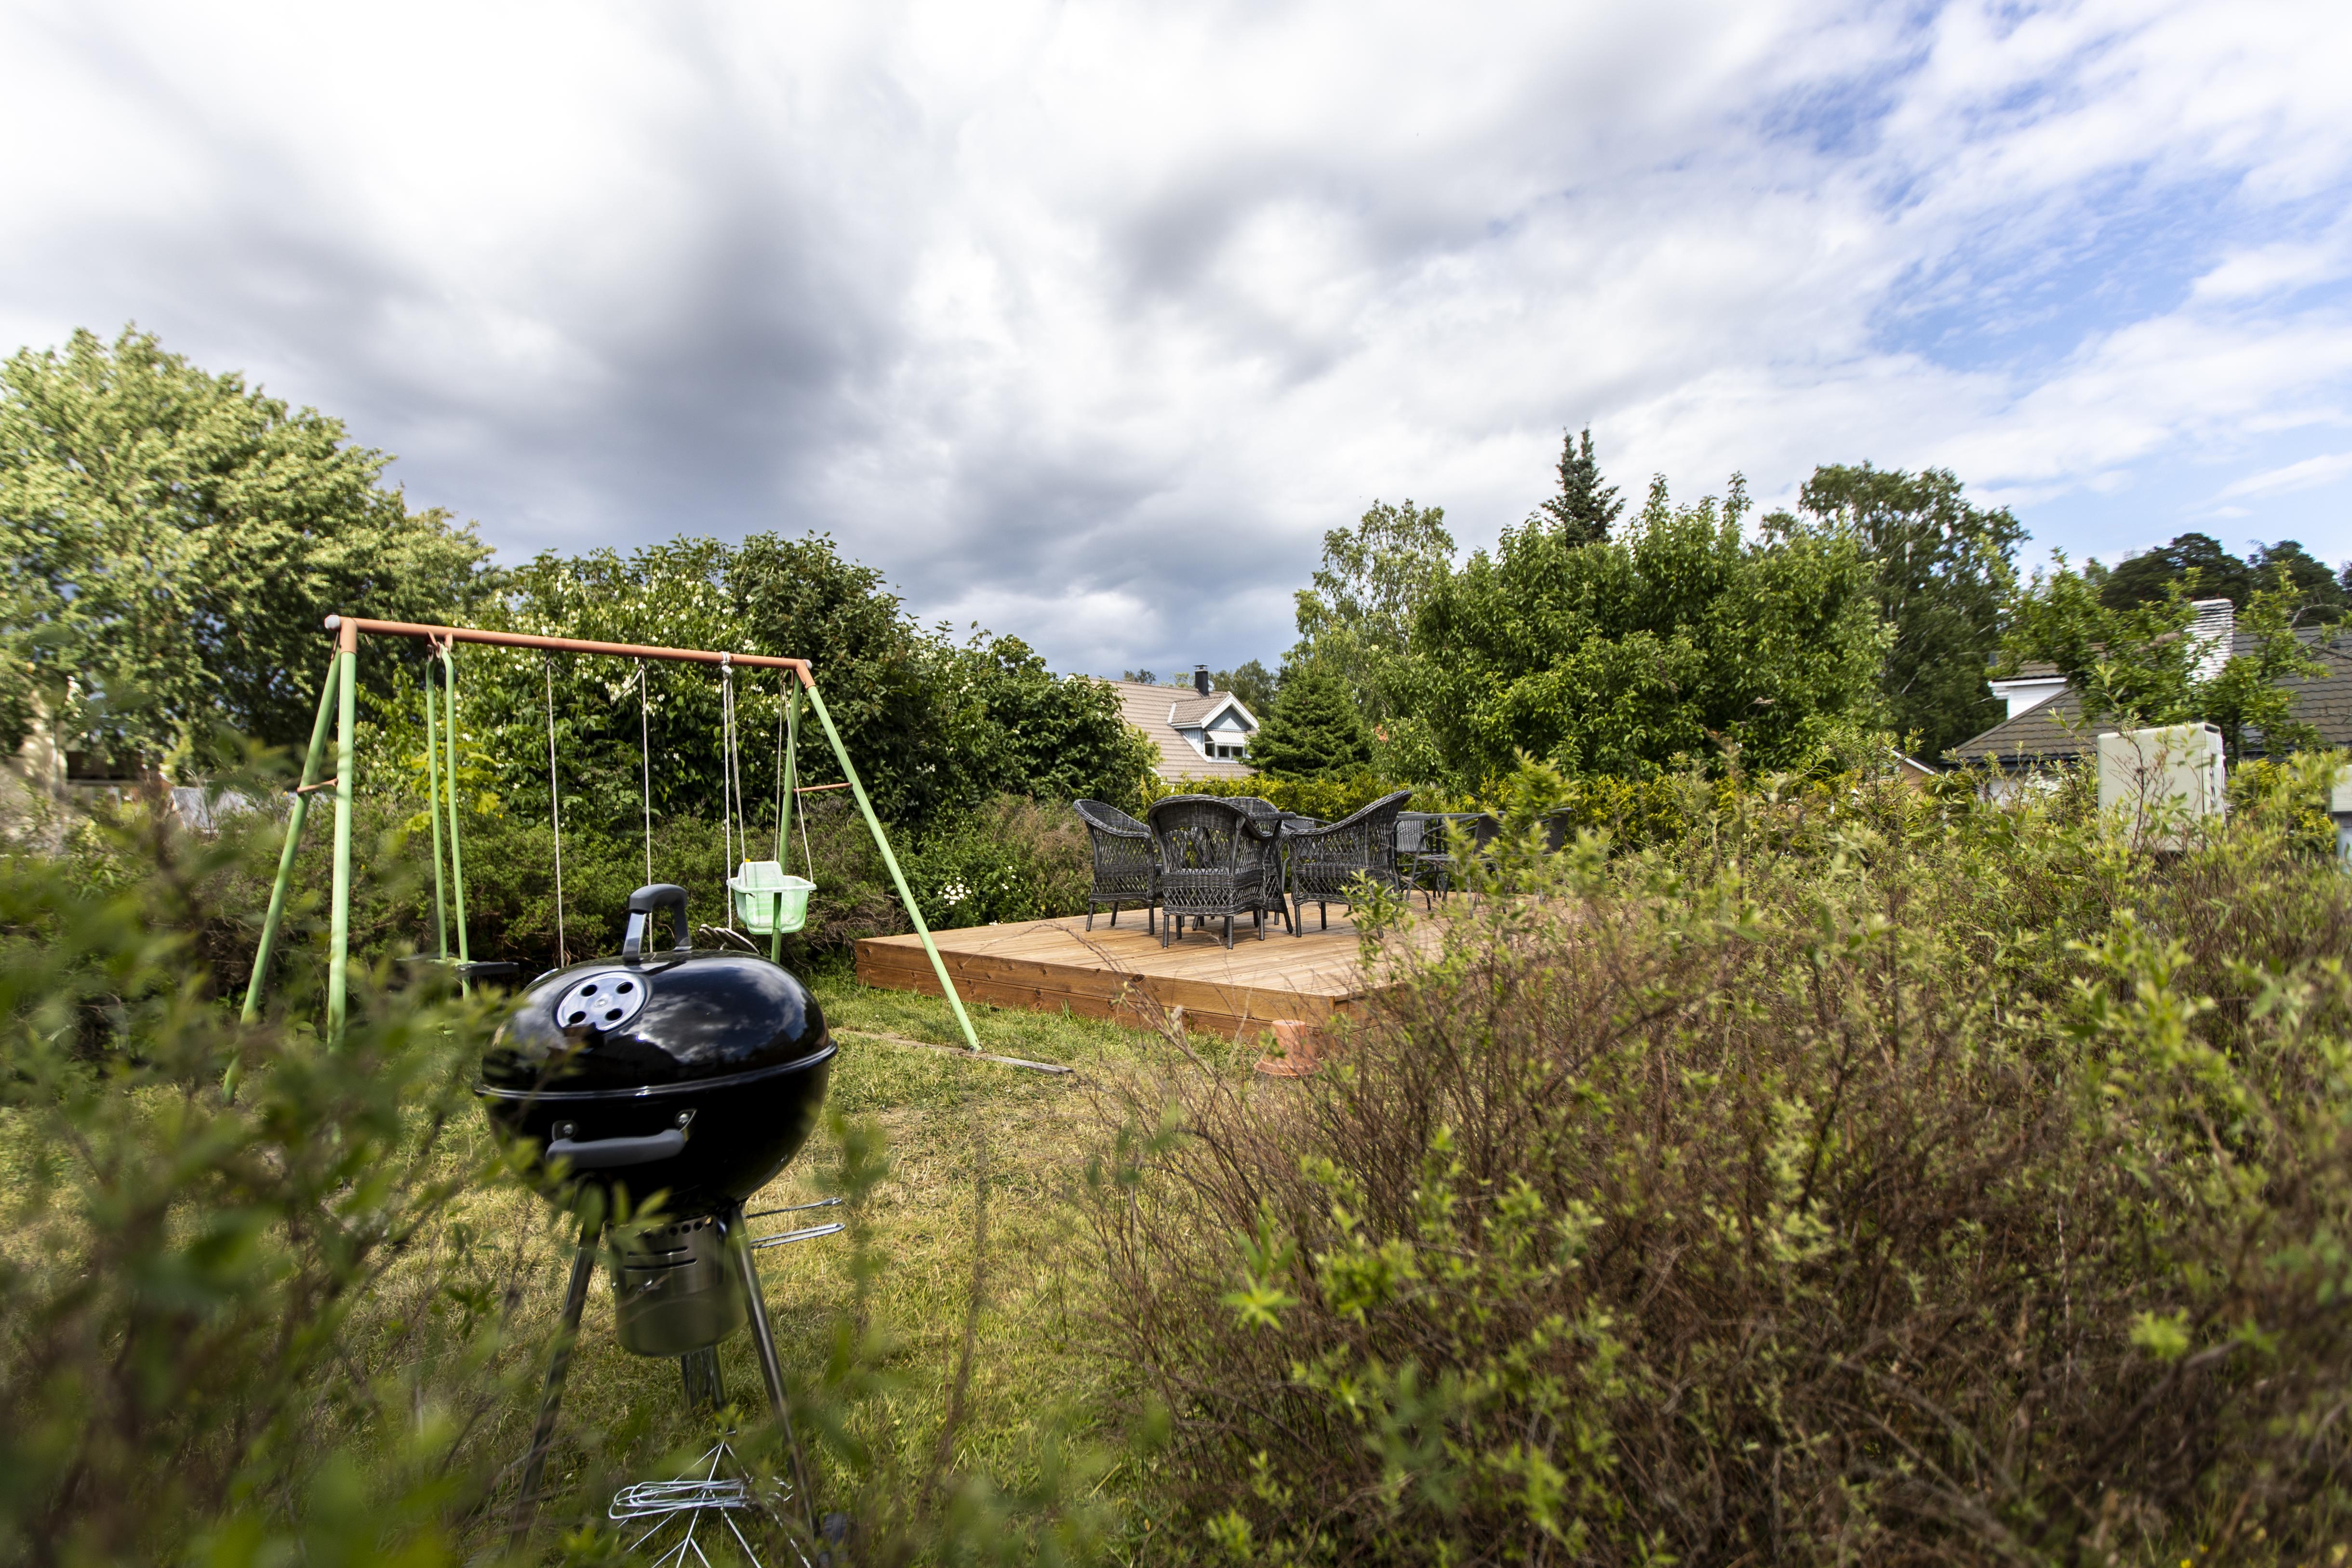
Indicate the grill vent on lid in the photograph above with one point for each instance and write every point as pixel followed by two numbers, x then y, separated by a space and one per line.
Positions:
pixel 605 1000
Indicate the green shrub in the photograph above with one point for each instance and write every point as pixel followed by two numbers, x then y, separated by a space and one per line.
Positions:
pixel 1012 860
pixel 1868 1175
pixel 239 1328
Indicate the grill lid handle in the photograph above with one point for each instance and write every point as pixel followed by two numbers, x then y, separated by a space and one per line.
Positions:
pixel 643 904
pixel 611 1153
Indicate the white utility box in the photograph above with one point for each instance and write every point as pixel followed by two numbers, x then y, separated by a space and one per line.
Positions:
pixel 2163 778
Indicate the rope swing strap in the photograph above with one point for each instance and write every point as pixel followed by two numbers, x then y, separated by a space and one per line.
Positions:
pixel 555 820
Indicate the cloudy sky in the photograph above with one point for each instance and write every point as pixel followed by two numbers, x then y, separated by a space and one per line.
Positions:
pixel 1085 322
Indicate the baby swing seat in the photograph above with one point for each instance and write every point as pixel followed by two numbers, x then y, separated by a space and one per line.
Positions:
pixel 768 901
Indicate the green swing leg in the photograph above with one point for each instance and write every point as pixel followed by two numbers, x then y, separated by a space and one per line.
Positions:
pixel 432 809
pixel 294 820
pixel 339 940
pixel 457 860
pixel 898 877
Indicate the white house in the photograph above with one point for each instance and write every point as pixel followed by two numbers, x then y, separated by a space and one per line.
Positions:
pixel 1200 733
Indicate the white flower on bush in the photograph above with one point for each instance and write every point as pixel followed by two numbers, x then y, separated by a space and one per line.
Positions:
pixel 954 893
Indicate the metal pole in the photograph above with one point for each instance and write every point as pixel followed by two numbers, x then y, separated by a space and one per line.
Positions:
pixel 898 877
pixel 339 946
pixel 295 818
pixel 763 1339
pixel 563 644
pixel 559 1366
pixel 432 809
pixel 457 860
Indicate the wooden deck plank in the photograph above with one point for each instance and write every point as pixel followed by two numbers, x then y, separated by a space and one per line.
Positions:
pixel 1051 964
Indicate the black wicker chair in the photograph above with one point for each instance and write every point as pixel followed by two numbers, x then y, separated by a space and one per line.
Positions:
pixel 1422 860
pixel 1126 868
pixel 1212 861
pixel 1270 817
pixel 1325 862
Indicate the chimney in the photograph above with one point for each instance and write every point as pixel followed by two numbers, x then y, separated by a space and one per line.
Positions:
pixel 1200 676
pixel 2217 621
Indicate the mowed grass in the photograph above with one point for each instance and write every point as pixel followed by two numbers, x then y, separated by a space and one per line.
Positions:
pixel 942 1115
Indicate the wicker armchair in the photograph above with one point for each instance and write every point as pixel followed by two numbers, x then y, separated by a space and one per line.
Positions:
pixel 1270 817
pixel 1126 869
pixel 1212 861
pixel 1422 860
pixel 1325 862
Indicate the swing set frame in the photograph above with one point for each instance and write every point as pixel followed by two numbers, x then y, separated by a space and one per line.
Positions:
pixel 338 700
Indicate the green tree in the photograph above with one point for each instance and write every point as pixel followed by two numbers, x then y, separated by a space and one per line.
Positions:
pixel 2319 596
pixel 174 539
pixel 933 726
pixel 2141 664
pixel 1585 508
pixel 1944 569
pixel 1254 684
pixel 1355 622
pixel 2196 563
pixel 1315 732
pixel 1677 637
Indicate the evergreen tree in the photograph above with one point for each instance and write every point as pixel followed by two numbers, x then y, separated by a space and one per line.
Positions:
pixel 1585 507
pixel 1316 730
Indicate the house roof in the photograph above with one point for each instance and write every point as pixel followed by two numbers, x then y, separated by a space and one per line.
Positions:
pixel 2054 732
pixel 1157 710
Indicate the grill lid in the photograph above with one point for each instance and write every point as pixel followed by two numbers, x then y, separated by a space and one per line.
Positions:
pixel 649 1020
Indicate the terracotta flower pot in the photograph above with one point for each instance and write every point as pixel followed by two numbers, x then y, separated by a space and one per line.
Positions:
pixel 1296 1041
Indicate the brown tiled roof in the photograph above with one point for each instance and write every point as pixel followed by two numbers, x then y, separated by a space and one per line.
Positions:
pixel 1156 710
pixel 2055 731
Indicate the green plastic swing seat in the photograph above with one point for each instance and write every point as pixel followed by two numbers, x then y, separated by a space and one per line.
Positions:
pixel 769 900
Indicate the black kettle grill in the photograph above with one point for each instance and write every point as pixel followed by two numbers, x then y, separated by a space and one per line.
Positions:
pixel 696 1074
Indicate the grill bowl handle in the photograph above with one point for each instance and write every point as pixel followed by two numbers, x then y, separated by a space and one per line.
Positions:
pixel 643 905
pixel 611 1153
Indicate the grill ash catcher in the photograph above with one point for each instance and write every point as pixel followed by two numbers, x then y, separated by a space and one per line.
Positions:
pixel 695 1072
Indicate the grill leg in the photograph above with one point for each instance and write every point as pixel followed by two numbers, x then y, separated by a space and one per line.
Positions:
pixel 763 1339
pixel 1228 931
pixel 705 1389
pixel 559 1368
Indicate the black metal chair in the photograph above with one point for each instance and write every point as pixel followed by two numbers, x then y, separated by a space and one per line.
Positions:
pixel 1126 868
pixel 1326 862
pixel 1214 859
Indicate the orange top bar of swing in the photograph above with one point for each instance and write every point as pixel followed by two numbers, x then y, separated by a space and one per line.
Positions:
pixel 350 627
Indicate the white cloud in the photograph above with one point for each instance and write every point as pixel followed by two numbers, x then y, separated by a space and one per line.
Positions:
pixel 1087 322
pixel 2309 474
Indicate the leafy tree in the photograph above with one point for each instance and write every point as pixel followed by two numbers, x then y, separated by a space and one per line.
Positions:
pixel 1676 638
pixel 1142 676
pixel 2194 562
pixel 1254 684
pixel 933 726
pixel 2319 594
pixel 1355 622
pixel 1585 508
pixel 1944 567
pixel 174 539
pixel 2140 663
pixel 1315 729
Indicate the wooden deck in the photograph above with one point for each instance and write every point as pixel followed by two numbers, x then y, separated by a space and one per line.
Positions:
pixel 1118 972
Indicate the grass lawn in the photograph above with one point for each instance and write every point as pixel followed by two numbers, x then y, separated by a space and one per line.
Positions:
pixel 623 1416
